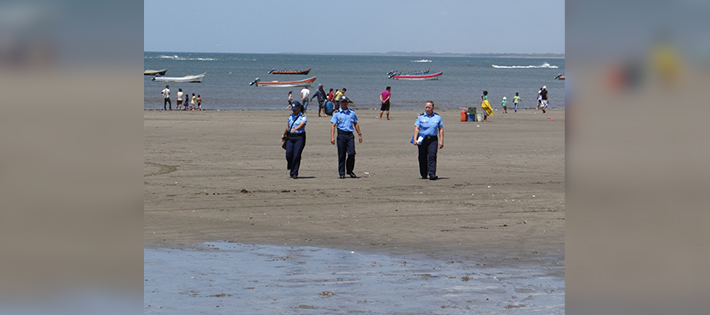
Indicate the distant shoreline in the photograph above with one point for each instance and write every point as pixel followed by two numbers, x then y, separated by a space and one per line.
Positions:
pixel 394 54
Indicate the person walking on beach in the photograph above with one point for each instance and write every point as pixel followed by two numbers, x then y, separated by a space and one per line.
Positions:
pixel 295 137
pixel 486 106
pixel 166 98
pixel 320 94
pixel 429 137
pixel 304 97
pixel 345 121
pixel 290 99
pixel 543 98
pixel 503 104
pixel 516 100
pixel 179 99
pixel 385 100
pixel 199 102
pixel 184 107
pixel 192 102
pixel 539 99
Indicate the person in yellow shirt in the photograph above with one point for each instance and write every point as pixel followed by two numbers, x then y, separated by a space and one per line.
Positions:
pixel 486 106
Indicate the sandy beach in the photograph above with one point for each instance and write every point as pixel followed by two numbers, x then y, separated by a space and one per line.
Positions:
pixel 221 176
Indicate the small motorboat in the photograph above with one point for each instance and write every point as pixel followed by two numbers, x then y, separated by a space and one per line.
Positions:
pixel 154 72
pixel 434 76
pixel 274 71
pixel 197 78
pixel 306 82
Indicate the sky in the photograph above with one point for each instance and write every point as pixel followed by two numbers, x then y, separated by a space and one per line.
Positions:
pixel 355 26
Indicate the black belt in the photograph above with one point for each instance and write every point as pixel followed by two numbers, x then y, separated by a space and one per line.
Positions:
pixel 340 132
pixel 302 134
pixel 429 137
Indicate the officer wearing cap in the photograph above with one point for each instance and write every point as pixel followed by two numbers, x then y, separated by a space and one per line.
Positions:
pixel 295 137
pixel 429 137
pixel 345 121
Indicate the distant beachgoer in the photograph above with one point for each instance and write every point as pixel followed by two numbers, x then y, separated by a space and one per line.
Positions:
pixel 166 98
pixel 331 98
pixel 543 98
pixel 178 106
pixel 539 99
pixel 192 102
pixel 185 102
pixel 516 100
pixel 503 104
pixel 385 100
pixel 199 102
pixel 304 98
pixel 430 128
pixel 290 99
pixel 486 106
pixel 336 100
pixel 320 94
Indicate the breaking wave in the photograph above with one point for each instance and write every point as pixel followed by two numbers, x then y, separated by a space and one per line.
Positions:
pixel 422 60
pixel 544 65
pixel 176 57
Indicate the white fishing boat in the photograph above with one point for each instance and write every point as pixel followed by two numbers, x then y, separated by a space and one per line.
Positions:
pixel 197 78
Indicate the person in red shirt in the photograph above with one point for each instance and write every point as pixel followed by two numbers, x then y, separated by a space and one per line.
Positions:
pixel 385 99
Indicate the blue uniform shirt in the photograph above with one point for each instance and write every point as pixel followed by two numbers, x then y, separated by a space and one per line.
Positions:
pixel 344 119
pixel 299 119
pixel 429 125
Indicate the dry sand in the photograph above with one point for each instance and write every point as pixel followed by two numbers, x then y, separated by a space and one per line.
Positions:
pixel 221 176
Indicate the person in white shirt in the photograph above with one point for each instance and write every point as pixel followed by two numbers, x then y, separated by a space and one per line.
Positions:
pixel 166 98
pixel 304 98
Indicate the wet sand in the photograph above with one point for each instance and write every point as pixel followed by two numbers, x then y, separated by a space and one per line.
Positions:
pixel 221 176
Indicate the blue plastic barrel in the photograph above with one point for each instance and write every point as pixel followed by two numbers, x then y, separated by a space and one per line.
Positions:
pixel 329 108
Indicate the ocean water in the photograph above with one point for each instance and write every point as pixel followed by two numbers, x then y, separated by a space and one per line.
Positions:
pixel 226 85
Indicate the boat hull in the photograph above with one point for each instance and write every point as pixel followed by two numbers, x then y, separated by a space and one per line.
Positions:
pixel 186 79
pixel 306 82
pixel 304 72
pixel 154 72
pixel 434 76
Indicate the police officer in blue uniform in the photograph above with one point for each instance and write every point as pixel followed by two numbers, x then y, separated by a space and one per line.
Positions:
pixel 345 121
pixel 429 137
pixel 295 137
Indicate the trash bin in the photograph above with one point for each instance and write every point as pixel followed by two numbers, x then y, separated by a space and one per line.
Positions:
pixel 479 116
pixel 471 117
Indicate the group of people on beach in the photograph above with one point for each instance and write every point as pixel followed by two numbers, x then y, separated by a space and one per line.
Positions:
pixel 542 103
pixel 428 134
pixel 325 101
pixel 182 101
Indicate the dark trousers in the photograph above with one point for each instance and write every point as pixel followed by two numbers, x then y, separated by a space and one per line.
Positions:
pixel 346 144
pixel 427 156
pixel 294 149
pixel 167 102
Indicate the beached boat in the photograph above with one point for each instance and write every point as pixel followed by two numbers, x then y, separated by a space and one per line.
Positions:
pixel 559 77
pixel 434 76
pixel 274 71
pixel 197 78
pixel 306 82
pixel 154 72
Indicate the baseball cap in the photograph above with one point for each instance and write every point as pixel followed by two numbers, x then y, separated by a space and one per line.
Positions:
pixel 544 87
pixel 295 104
pixel 344 99
pixel 503 97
